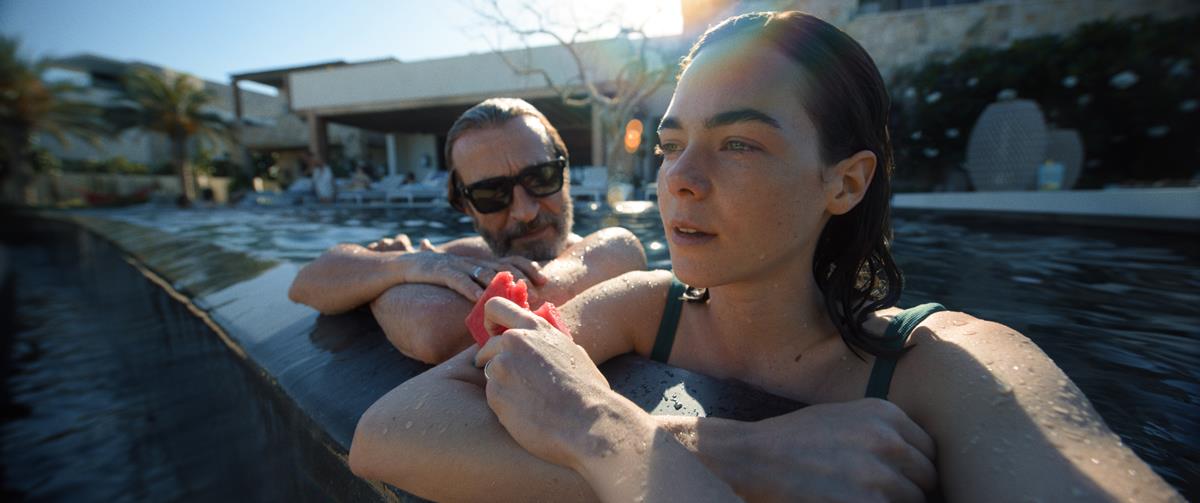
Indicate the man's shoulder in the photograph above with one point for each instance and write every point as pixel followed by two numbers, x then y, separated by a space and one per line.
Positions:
pixel 616 245
pixel 610 236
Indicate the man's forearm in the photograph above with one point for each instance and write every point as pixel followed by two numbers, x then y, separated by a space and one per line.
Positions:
pixel 424 322
pixel 345 277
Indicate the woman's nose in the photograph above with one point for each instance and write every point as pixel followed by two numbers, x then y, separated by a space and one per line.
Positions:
pixel 685 176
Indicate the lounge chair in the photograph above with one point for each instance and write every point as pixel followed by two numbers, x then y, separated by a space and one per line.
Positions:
pixel 593 183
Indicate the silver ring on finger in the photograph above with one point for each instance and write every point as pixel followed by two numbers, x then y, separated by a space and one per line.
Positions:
pixel 476 272
pixel 485 369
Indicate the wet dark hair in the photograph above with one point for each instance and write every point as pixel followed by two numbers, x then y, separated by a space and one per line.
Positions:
pixel 846 99
pixel 493 113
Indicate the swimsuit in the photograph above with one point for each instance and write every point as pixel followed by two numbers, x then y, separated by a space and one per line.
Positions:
pixel 881 373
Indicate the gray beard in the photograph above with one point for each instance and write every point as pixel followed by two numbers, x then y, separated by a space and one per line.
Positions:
pixel 502 243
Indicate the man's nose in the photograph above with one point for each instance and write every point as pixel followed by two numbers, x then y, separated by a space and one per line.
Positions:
pixel 524 206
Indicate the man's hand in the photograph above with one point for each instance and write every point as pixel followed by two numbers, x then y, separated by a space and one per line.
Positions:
pixel 864 450
pixel 399 243
pixel 467 275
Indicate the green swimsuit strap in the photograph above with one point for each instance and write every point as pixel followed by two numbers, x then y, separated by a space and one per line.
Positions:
pixel 670 319
pixel 896 334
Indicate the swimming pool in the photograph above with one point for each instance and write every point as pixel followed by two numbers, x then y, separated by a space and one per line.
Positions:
pixel 1117 310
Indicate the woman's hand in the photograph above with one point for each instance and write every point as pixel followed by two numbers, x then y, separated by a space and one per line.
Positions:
pixel 861 450
pixel 550 396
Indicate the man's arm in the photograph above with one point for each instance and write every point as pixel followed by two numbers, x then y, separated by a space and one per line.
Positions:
pixel 348 275
pixel 425 321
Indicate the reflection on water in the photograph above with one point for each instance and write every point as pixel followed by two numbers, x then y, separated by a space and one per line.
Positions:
pixel 1116 310
pixel 114 392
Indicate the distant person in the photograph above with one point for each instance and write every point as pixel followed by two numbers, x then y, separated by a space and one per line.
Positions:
pixel 409 178
pixel 360 180
pixel 507 164
pixel 322 179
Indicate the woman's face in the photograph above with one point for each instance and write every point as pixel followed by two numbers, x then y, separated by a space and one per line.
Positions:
pixel 740 191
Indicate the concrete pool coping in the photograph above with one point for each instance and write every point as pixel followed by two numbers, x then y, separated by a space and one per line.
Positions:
pixel 1171 209
pixel 331 368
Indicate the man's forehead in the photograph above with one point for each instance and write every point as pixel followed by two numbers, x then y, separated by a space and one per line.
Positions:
pixel 500 150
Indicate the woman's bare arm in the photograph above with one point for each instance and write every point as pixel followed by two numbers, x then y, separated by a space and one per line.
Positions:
pixel 1008 423
pixel 436 437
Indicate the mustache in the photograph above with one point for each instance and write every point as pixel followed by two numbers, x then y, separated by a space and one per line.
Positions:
pixel 524 228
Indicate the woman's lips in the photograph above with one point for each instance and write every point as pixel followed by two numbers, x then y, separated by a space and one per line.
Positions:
pixel 683 235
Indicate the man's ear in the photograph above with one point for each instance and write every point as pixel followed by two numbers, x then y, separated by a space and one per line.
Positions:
pixel 848 182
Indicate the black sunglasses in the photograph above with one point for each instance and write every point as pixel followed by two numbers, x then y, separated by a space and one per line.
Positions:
pixel 495 194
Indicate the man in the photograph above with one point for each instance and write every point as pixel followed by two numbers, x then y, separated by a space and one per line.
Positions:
pixel 508 171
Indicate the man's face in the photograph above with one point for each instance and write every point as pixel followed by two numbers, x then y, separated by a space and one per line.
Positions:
pixel 532 227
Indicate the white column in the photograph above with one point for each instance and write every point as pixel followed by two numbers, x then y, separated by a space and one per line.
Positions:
pixel 393 154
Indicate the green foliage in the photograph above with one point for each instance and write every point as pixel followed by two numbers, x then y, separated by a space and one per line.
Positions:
pixel 118 165
pixel 30 104
pixel 1141 129
pixel 173 104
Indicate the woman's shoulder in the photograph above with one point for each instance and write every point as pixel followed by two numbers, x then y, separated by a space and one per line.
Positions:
pixel 619 314
pixel 629 289
pixel 953 358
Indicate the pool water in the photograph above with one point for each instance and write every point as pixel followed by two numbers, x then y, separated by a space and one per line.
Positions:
pixel 1115 309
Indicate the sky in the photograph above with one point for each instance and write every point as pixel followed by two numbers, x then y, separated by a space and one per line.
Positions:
pixel 214 38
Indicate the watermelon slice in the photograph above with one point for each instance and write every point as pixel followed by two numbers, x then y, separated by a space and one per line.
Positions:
pixel 550 313
pixel 502 285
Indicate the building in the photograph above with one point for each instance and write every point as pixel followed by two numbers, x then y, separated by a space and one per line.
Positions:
pixel 414 103
pixel 267 125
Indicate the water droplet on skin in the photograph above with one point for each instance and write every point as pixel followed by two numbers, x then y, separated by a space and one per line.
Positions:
pixel 385 430
pixel 1095 461
pixel 1016 367
pixel 408 425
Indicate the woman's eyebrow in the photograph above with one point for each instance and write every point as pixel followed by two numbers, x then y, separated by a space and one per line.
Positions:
pixel 669 123
pixel 740 115
pixel 725 119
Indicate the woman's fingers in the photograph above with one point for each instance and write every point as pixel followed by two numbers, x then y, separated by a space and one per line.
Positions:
pixel 501 312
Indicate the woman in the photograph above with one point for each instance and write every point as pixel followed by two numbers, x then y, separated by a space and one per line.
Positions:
pixel 774 196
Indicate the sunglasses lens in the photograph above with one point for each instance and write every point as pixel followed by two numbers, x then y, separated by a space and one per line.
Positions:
pixel 492 195
pixel 544 179
pixel 490 198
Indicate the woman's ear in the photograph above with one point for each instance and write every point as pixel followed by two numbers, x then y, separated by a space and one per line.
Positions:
pixel 849 181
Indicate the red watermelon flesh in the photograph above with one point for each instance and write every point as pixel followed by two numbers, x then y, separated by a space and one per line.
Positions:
pixel 550 313
pixel 502 285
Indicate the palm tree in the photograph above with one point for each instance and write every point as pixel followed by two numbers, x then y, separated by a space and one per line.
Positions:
pixel 30 104
pixel 172 104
